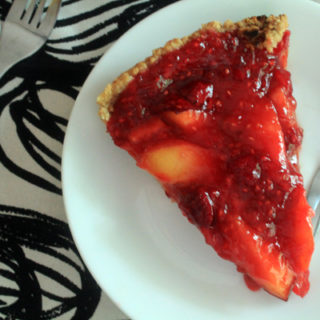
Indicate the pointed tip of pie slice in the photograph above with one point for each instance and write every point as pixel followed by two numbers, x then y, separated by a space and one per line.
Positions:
pixel 259 32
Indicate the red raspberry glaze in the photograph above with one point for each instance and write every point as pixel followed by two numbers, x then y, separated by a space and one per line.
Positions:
pixel 236 105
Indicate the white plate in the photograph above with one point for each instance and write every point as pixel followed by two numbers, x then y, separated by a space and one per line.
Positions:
pixel 138 246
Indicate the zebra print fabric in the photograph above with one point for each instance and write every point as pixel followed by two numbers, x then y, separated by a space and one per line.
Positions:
pixel 42 275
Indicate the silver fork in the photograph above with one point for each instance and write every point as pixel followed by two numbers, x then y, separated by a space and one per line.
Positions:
pixel 314 200
pixel 25 30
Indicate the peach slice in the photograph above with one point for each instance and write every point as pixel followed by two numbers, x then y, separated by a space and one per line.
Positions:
pixel 268 266
pixel 176 161
pixel 147 130
pixel 296 230
pixel 189 119
pixel 285 108
pixel 264 133
pixel 278 97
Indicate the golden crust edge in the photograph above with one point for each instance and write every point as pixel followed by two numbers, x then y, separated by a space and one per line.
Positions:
pixel 272 27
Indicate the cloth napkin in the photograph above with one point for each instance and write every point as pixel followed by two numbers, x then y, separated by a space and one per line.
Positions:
pixel 41 273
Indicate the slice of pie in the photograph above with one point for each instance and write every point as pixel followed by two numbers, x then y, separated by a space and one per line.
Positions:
pixel 212 117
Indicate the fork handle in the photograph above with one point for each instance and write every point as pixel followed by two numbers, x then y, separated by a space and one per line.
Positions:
pixel 18 46
pixel 8 59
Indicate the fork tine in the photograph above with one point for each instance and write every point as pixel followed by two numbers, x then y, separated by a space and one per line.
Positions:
pixel 29 11
pixel 17 9
pixel 38 13
pixel 47 23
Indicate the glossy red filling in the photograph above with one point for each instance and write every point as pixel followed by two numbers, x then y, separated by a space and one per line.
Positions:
pixel 215 123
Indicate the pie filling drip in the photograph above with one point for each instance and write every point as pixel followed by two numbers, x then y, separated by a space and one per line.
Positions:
pixel 214 121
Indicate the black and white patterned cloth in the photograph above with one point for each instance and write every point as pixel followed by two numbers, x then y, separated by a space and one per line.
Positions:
pixel 41 273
